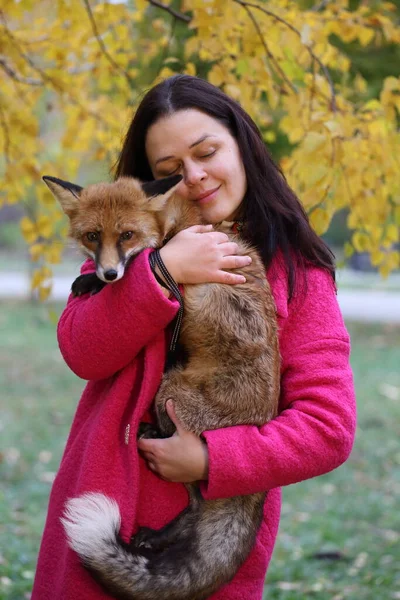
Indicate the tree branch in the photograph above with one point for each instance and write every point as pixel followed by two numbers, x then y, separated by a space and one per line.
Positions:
pixel 297 32
pixel 102 45
pixel 166 49
pixel 247 5
pixel 45 77
pixel 16 76
pixel 171 11
pixel 7 139
pixel 275 64
pixel 320 6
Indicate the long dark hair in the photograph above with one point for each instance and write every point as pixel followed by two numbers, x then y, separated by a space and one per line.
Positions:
pixel 274 218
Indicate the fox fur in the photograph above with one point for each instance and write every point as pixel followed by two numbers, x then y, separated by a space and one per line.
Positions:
pixel 230 377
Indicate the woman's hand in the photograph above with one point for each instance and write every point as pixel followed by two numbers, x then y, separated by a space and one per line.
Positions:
pixel 181 458
pixel 200 255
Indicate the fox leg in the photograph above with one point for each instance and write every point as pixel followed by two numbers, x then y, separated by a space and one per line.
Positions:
pixel 148 431
pixel 178 530
pixel 195 413
pixel 87 283
pixel 182 529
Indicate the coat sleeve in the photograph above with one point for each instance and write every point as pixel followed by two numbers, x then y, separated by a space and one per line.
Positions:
pixel 314 431
pixel 99 335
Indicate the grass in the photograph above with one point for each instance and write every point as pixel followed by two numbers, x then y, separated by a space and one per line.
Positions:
pixel 351 513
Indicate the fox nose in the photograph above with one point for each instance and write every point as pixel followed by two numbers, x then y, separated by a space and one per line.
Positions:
pixel 110 275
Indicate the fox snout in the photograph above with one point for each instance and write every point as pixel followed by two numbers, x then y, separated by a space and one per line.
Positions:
pixel 110 274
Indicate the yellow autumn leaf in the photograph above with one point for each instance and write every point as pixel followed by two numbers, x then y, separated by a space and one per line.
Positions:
pixel 392 233
pixel 44 196
pixel 377 256
pixel 313 142
pixel 348 250
pixel 36 251
pixel 384 271
pixel 361 242
pixel 171 60
pixel 165 72
pixel 316 174
pixel 44 226
pixel 53 254
pixel 216 76
pixel 320 220
pixel 190 69
pixel 360 84
pixel 37 278
pixel 44 292
pixel 391 83
pixel 53 316
pixel 269 137
pixel 366 35
pixel 158 25
pixel 29 230
pixel 234 91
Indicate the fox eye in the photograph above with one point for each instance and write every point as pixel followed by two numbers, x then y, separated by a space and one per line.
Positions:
pixel 126 235
pixel 92 236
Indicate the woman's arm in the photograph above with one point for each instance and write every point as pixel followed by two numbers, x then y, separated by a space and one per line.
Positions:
pixel 314 432
pixel 98 335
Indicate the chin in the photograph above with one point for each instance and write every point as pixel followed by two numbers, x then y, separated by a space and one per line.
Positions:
pixel 213 216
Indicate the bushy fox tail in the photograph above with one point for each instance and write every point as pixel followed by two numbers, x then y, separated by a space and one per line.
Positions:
pixel 183 571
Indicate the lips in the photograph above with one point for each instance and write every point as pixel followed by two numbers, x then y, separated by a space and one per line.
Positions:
pixel 207 193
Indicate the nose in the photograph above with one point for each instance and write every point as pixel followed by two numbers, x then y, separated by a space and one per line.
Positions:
pixel 110 275
pixel 193 174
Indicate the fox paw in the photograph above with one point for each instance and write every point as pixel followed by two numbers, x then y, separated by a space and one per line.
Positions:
pixel 148 431
pixel 87 283
pixel 145 539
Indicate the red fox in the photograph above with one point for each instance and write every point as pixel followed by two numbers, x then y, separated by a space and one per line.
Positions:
pixel 230 376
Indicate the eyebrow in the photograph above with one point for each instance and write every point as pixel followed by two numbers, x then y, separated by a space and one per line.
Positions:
pixel 203 137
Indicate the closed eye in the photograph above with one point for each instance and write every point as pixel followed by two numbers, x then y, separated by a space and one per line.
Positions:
pixel 165 174
pixel 208 155
pixel 202 156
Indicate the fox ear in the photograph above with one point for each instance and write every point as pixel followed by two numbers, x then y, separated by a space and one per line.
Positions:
pixel 68 194
pixel 159 190
pixel 161 186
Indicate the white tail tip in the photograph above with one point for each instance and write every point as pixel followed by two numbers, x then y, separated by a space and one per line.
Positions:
pixel 90 521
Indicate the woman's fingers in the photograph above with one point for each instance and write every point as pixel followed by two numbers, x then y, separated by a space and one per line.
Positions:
pixel 200 228
pixel 218 237
pixel 235 262
pixel 230 278
pixel 228 248
pixel 230 259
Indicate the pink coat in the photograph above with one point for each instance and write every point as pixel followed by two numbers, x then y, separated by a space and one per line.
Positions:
pixel 116 340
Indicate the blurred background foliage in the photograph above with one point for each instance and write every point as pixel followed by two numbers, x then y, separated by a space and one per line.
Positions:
pixel 320 78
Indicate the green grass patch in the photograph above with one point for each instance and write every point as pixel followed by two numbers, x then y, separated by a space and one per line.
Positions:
pixel 351 513
pixel 350 516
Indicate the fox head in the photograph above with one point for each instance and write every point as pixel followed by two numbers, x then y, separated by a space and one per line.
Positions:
pixel 113 222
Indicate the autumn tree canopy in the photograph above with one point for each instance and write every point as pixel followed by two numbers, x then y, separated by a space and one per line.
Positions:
pixel 72 72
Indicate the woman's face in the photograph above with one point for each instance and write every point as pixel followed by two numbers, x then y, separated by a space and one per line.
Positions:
pixel 200 148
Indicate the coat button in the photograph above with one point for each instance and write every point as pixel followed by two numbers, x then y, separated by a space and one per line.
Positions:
pixel 127 431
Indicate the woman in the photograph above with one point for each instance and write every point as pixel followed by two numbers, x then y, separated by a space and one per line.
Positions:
pixel 117 340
